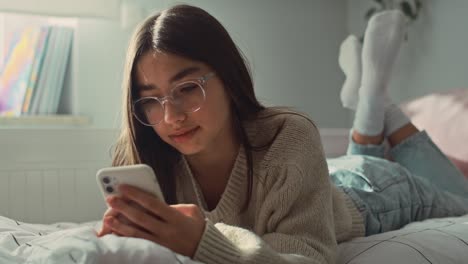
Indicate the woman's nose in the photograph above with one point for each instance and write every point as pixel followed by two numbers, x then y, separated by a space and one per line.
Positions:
pixel 173 113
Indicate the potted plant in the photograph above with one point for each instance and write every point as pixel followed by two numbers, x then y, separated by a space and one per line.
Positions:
pixel 411 8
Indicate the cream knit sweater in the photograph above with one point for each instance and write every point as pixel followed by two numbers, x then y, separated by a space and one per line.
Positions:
pixel 295 215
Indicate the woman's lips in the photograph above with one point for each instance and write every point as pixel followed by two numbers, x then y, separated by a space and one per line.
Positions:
pixel 184 136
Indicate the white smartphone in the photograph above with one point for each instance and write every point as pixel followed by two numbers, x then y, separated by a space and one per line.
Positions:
pixel 140 176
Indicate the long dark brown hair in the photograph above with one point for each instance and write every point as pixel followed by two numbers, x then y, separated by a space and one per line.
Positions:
pixel 192 33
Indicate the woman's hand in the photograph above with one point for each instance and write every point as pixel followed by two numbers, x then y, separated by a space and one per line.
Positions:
pixel 105 229
pixel 111 213
pixel 177 227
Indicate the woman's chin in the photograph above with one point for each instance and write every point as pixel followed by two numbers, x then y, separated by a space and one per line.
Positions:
pixel 188 150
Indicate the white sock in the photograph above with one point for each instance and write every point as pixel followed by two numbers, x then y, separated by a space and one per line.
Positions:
pixel 350 63
pixel 382 42
pixel 394 119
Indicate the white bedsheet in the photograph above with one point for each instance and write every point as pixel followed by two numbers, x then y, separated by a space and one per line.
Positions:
pixel 433 241
pixel 443 240
pixel 76 243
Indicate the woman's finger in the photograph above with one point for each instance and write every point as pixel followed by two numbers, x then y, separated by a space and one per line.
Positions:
pixel 105 229
pixel 136 215
pixel 189 210
pixel 127 230
pixel 110 212
pixel 148 201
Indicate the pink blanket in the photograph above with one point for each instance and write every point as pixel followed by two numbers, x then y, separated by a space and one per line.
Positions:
pixel 445 118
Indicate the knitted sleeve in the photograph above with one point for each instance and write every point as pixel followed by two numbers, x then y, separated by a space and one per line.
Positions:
pixel 296 212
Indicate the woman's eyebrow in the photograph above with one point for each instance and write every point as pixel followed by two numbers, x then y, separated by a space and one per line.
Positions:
pixel 181 74
pixel 145 87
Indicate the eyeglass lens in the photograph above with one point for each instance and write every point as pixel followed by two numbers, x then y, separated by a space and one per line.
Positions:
pixel 187 97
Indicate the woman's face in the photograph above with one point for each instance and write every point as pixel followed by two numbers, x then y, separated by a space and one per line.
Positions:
pixel 203 131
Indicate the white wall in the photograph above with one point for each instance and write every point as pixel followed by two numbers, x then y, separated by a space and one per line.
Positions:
pixel 434 58
pixel 292 47
pixel 293 50
pixel 100 59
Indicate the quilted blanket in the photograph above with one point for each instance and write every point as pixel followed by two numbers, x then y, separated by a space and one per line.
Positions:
pixel 443 240
pixel 64 243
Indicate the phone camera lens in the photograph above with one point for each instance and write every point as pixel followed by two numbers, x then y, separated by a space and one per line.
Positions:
pixel 106 180
pixel 109 189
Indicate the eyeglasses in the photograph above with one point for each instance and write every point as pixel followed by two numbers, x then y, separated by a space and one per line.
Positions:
pixel 187 96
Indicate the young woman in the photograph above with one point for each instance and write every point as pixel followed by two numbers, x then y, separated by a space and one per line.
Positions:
pixel 249 184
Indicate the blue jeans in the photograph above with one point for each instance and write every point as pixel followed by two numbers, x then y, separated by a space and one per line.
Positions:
pixel 422 183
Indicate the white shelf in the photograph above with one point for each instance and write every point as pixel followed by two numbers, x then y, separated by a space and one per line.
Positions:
pixel 108 9
pixel 44 121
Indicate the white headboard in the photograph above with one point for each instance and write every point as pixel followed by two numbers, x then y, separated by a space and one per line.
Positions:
pixel 48 175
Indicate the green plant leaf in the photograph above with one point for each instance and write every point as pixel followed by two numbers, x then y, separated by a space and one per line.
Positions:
pixel 380 2
pixel 370 12
pixel 417 4
pixel 407 9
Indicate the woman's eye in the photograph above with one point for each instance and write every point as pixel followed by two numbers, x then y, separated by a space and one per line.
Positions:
pixel 148 106
pixel 188 88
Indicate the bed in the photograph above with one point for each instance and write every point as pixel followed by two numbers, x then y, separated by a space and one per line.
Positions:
pixel 49 180
pixel 432 241
pixel 443 240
